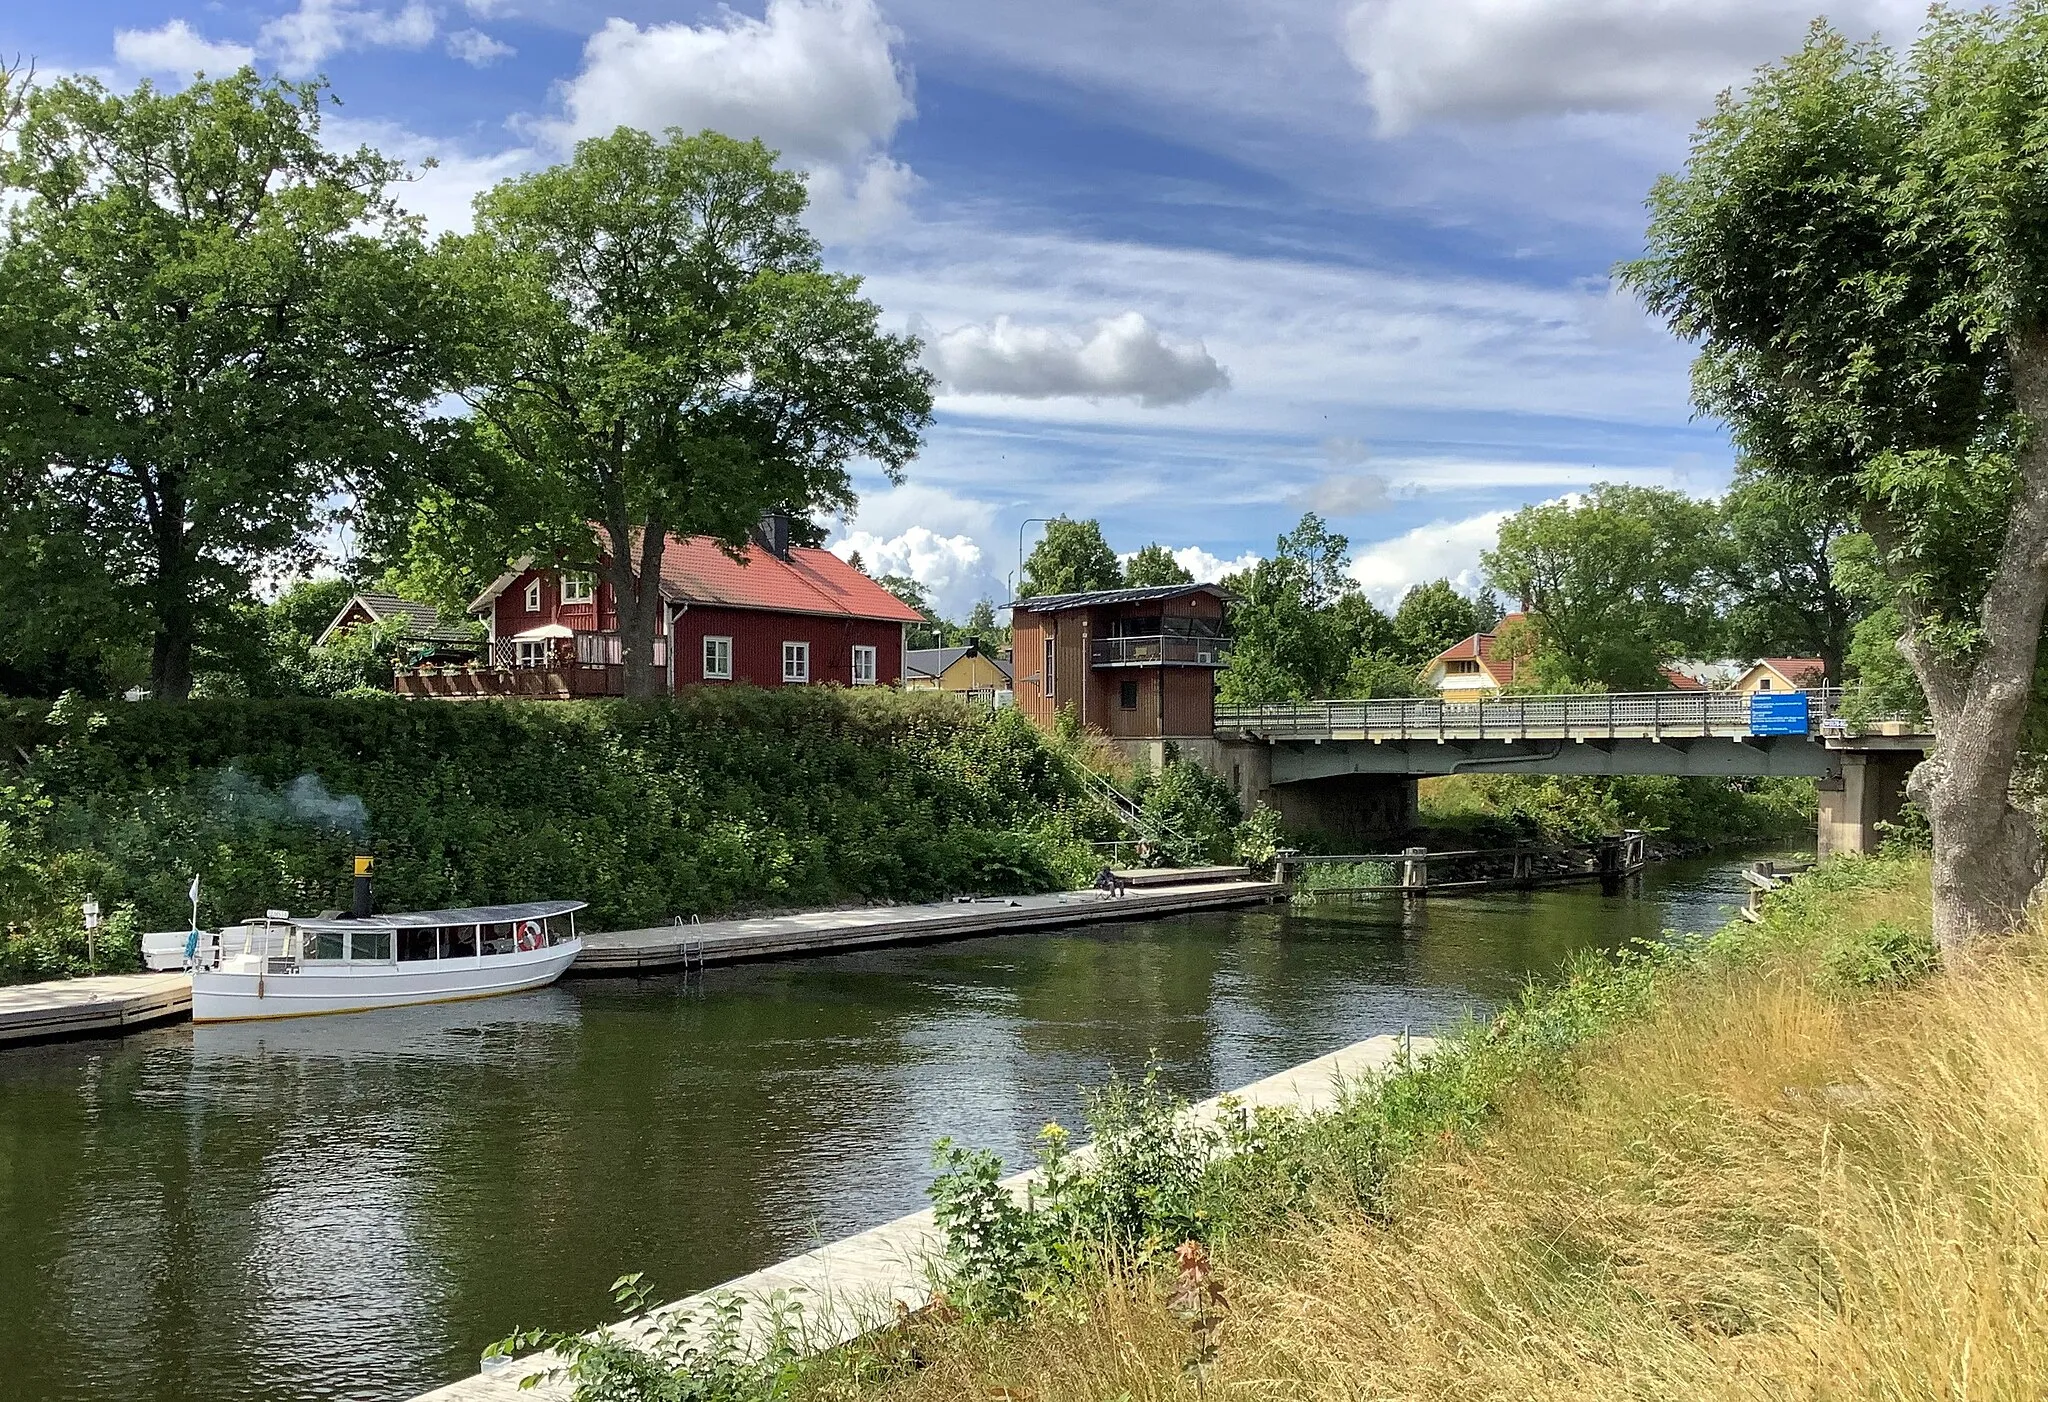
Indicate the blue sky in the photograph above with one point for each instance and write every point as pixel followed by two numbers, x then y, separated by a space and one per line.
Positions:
pixel 1188 266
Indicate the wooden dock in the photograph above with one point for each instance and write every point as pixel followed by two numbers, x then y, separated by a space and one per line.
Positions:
pixel 862 1282
pixel 79 1007
pixel 1149 894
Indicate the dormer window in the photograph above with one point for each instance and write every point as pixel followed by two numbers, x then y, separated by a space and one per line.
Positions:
pixel 1462 667
pixel 578 588
pixel 533 596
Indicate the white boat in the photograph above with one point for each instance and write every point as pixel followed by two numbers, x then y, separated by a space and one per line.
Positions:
pixel 283 966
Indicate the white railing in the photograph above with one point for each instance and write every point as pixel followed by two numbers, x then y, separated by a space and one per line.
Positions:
pixel 1605 715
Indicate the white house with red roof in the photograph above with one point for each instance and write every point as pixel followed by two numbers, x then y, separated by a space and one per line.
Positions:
pixel 774 615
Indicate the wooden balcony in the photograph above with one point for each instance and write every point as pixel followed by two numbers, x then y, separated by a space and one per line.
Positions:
pixel 545 669
pixel 1160 650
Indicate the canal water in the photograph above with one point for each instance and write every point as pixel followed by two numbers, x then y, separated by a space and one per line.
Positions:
pixel 352 1207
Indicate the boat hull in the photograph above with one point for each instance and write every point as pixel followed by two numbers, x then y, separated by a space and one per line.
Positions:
pixel 233 996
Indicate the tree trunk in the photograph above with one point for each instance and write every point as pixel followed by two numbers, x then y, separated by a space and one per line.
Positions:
pixel 1987 851
pixel 636 594
pixel 170 650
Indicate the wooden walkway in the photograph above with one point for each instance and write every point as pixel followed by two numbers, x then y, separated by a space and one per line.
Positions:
pixel 1150 894
pixel 78 1007
pixel 852 1286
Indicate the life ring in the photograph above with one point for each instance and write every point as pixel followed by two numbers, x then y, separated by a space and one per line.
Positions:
pixel 528 935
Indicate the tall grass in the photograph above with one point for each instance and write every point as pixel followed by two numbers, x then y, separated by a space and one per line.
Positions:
pixel 1780 1173
pixel 1323 881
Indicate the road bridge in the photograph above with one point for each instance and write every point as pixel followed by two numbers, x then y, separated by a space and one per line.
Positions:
pixel 1350 765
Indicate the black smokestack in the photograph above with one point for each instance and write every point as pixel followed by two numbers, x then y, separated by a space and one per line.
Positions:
pixel 360 908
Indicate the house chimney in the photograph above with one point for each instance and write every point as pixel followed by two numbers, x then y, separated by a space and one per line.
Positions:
pixel 773 533
pixel 360 906
pixel 973 643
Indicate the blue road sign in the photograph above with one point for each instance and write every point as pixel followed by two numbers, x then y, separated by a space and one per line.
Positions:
pixel 1778 713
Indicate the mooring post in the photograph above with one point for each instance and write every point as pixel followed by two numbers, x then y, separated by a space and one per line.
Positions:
pixel 1415 871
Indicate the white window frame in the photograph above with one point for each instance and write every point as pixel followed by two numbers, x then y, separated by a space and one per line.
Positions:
pixel 796 663
pixel 534 652
pixel 533 596
pixel 865 675
pixel 579 589
pixel 722 670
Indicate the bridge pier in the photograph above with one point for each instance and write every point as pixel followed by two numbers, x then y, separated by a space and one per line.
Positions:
pixel 1871 789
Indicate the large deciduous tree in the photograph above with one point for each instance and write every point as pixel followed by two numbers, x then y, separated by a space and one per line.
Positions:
pixel 1154 566
pixel 658 348
pixel 1859 246
pixel 1615 582
pixel 1783 598
pixel 1071 558
pixel 210 324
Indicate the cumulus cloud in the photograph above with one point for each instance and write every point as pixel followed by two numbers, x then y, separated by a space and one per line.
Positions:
pixel 815 79
pixel 441 195
pixel 1493 59
pixel 1121 357
pixel 176 47
pixel 477 49
pixel 951 567
pixel 299 42
pixel 1207 568
pixel 1387 569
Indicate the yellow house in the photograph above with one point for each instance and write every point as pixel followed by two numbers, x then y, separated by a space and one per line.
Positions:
pixel 959 669
pixel 1782 674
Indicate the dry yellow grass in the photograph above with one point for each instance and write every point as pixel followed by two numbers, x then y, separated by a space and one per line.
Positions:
pixel 1768 1190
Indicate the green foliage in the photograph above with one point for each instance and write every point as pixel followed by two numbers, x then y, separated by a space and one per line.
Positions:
pixel 1376 675
pixel 1071 558
pixel 1154 565
pixel 1290 622
pixel 1618 582
pixel 687 1355
pixel 1194 808
pixel 212 323
pixel 1318 881
pixel 1783 596
pixel 1258 840
pixel 1501 809
pixel 1886 955
pixel 1431 618
pixel 722 800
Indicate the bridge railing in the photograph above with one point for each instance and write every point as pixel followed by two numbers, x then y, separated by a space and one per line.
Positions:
pixel 1602 715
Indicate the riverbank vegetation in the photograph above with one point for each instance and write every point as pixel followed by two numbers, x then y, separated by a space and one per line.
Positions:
pixel 1495 810
pixel 1792 1159
pixel 718 801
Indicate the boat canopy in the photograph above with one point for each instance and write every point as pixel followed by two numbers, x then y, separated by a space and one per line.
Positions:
pixel 426 919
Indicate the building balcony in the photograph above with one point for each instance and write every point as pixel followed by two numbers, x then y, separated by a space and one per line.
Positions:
pixel 546 668
pixel 1160 650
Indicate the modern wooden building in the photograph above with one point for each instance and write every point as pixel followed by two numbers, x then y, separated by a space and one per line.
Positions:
pixel 777 615
pixel 1135 664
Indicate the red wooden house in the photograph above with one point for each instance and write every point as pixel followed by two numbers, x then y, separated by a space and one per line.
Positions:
pixel 779 615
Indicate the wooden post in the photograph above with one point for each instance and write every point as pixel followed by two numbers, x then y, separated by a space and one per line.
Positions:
pixel 1415 871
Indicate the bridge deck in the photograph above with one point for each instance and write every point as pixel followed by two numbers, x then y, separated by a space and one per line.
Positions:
pixel 1674 715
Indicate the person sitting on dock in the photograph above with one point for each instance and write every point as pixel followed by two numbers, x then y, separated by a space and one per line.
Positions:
pixel 1109 881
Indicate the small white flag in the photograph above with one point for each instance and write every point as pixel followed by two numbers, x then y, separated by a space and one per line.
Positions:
pixel 194 892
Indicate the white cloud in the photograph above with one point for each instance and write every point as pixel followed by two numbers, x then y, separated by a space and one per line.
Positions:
pixel 299 42
pixel 176 47
pixel 817 80
pixel 1342 494
pixel 1387 569
pixel 442 195
pixel 949 567
pixel 1496 59
pixel 1121 357
pixel 477 49
pixel 1207 568
pixel 850 205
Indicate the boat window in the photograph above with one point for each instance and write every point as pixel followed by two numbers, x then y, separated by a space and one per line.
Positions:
pixel 459 942
pixel 323 944
pixel 498 938
pixel 557 927
pixel 416 944
pixel 372 945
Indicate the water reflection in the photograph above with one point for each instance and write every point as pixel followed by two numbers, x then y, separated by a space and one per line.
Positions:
pixel 351 1207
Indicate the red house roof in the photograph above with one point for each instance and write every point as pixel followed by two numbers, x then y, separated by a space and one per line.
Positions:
pixel 1501 666
pixel 696 570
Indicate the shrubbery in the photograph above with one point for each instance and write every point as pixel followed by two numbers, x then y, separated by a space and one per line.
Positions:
pixel 720 800
pixel 1503 809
